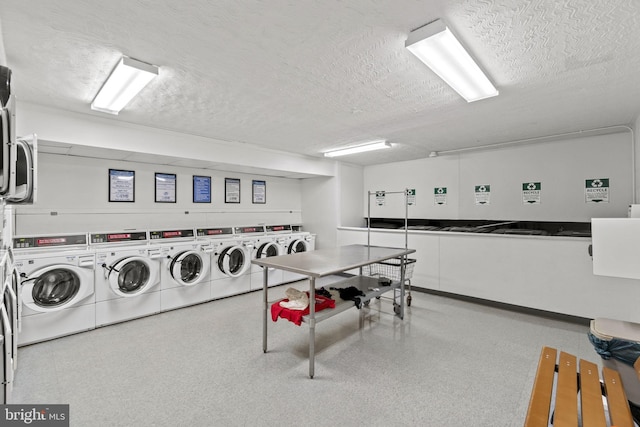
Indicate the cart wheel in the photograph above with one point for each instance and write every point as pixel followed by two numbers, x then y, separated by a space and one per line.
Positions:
pixel 378 297
pixel 409 300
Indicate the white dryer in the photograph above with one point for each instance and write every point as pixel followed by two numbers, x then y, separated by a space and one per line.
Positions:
pixel 57 286
pixel 185 270
pixel 127 276
pixel 230 261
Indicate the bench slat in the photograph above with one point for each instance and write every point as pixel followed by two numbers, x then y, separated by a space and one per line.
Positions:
pixel 566 413
pixel 538 413
pixel 616 399
pixel 591 396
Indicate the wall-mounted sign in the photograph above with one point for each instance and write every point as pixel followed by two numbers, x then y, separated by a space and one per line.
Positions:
pixel 201 189
pixel 531 193
pixel 122 185
pixel 411 196
pixel 166 187
pixel 440 195
pixel 232 190
pixel 380 198
pixel 482 194
pixel 596 190
pixel 259 191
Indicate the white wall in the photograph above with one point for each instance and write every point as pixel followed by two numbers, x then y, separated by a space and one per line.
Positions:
pixel 561 166
pixel 76 190
pixel 328 203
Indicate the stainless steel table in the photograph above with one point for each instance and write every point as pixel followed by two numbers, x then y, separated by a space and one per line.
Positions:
pixel 323 262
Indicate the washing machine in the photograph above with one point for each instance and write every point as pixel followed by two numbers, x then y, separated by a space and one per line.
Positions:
pixel 127 276
pixel 274 244
pixel 8 339
pixel 57 287
pixel 11 299
pixel 185 270
pixel 296 242
pixel 230 261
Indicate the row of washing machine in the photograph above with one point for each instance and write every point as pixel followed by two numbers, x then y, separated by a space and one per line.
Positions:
pixel 77 282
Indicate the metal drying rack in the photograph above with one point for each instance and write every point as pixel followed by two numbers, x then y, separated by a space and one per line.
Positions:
pixel 391 269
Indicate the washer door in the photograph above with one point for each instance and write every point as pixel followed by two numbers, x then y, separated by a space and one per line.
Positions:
pixel 132 276
pixel 56 287
pixel 233 261
pixel 189 267
pixel 268 249
pixel 297 246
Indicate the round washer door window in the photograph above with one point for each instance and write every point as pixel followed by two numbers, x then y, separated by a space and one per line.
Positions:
pixel 232 261
pixel 297 246
pixel 188 268
pixel 55 288
pixel 267 250
pixel 131 276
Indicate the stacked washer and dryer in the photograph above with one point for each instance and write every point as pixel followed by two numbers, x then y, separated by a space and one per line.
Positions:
pixel 9 324
pixel 127 276
pixel 186 268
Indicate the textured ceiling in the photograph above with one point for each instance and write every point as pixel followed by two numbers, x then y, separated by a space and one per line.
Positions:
pixel 305 75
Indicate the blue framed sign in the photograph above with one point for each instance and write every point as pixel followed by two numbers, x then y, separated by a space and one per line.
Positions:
pixel 201 189
pixel 259 191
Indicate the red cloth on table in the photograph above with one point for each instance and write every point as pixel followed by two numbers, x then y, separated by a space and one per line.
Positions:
pixel 295 316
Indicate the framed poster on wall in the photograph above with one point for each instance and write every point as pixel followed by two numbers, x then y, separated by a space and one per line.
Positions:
pixel 259 191
pixel 165 187
pixel 122 185
pixel 201 189
pixel 232 190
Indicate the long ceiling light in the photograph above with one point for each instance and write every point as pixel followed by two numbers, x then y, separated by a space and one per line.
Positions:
pixel 371 146
pixel 128 78
pixel 435 45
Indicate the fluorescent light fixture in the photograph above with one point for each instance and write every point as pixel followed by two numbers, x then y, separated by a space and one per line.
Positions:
pixel 435 45
pixel 370 146
pixel 127 79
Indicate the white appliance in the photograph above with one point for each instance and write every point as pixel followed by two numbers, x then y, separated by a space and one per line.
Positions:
pixel 127 276
pixel 230 261
pixel 272 245
pixel 185 270
pixel 298 241
pixel 57 286
pixel 11 298
pixel 8 330
pixel 18 156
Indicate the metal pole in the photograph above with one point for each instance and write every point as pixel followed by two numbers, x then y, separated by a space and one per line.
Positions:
pixel 312 325
pixel 369 218
pixel 265 281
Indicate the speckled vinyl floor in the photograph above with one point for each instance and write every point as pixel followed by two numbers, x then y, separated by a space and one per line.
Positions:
pixel 449 363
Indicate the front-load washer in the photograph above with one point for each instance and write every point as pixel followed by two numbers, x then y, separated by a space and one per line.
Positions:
pixel 11 299
pixel 261 245
pixel 6 360
pixel 57 287
pixel 127 276
pixel 298 241
pixel 185 270
pixel 230 262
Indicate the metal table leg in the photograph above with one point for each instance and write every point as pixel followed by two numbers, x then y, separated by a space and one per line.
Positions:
pixel 312 325
pixel 265 281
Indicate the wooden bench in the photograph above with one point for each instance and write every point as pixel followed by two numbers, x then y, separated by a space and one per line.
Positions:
pixel 566 385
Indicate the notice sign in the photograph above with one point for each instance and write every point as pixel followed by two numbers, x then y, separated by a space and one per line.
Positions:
pixel 596 190
pixel 531 192
pixel 380 197
pixel 483 194
pixel 440 195
pixel 411 196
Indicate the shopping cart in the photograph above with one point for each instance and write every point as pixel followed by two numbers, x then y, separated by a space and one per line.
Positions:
pixel 392 269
